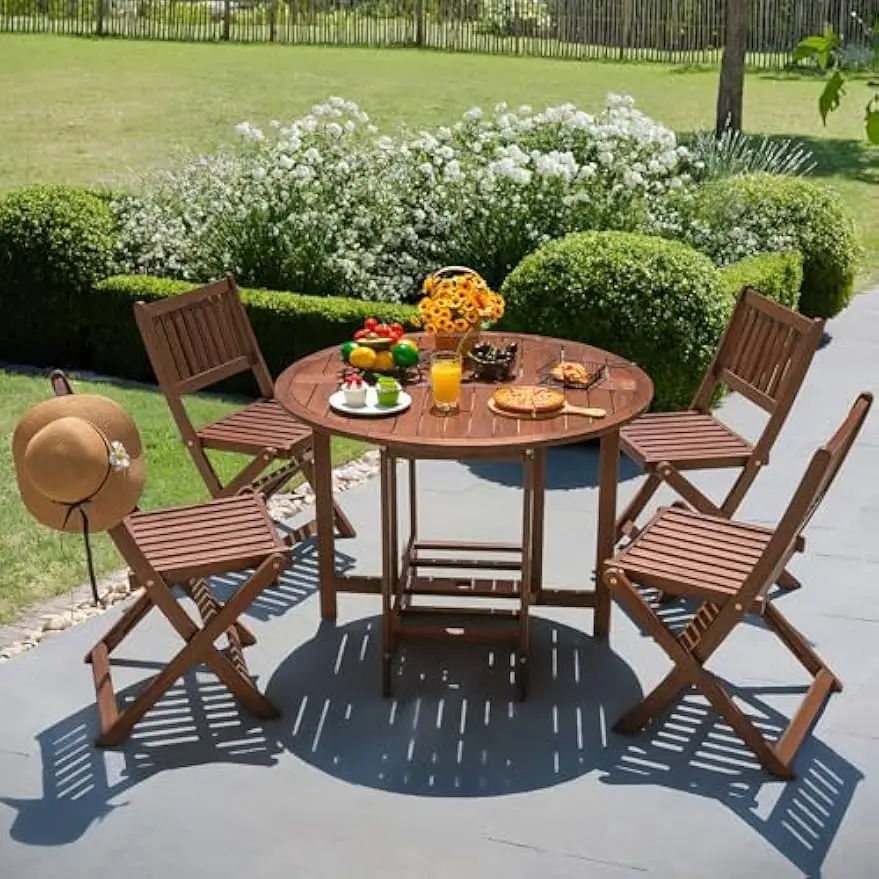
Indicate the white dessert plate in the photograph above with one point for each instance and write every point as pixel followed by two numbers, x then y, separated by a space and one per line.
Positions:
pixel 371 409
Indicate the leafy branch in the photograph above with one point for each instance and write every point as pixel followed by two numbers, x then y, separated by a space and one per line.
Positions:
pixel 826 50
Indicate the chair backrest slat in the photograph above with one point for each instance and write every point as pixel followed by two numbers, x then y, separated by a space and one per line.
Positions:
pixel 768 349
pixel 764 354
pixel 199 338
pixel 822 470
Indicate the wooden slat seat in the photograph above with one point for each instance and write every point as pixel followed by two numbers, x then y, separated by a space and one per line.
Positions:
pixel 764 355
pixel 682 552
pixel 199 338
pixel 221 535
pixel 253 428
pixel 728 568
pixel 184 546
pixel 687 439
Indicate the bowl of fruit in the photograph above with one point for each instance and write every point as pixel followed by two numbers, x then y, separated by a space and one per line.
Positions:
pixel 492 363
pixel 380 348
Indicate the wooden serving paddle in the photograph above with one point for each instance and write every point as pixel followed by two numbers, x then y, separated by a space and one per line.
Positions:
pixel 566 409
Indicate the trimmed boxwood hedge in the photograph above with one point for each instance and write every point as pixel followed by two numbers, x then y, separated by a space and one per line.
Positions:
pixel 776 275
pixel 657 302
pixel 56 242
pixel 287 325
pixel 823 228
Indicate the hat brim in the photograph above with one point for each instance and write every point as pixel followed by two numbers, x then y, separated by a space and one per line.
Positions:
pixel 122 490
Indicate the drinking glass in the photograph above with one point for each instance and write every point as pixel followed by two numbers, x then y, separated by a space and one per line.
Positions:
pixel 445 380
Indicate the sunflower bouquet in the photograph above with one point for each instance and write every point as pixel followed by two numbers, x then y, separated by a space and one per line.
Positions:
pixel 457 301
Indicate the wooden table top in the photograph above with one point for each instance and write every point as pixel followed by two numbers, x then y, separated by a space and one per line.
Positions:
pixel 304 389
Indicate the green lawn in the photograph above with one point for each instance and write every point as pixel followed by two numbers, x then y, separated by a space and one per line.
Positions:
pixel 97 112
pixel 38 563
pixel 89 111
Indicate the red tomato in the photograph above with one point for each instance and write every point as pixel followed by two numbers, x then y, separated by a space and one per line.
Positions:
pixel 359 334
pixel 397 329
pixel 370 323
pixel 383 330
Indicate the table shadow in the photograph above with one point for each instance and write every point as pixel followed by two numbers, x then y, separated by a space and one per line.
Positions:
pixel 567 468
pixel 454 727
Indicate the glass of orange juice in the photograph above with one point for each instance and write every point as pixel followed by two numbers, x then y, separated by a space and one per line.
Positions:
pixel 445 380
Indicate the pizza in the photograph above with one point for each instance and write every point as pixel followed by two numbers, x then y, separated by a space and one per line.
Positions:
pixel 570 373
pixel 528 400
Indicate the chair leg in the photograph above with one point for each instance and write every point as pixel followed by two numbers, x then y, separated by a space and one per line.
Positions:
pixel 208 606
pixel 689 669
pixel 788 582
pixel 120 629
pixel 199 647
pixel 797 644
pixel 654 703
pixel 636 506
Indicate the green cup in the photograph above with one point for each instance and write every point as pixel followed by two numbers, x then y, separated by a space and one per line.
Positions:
pixel 387 391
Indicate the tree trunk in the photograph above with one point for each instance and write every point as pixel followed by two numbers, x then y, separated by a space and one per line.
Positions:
pixel 730 94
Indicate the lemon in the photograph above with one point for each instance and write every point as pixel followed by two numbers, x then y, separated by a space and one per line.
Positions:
pixel 362 357
pixel 384 361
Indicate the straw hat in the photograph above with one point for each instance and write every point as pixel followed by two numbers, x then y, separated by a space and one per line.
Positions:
pixel 78 454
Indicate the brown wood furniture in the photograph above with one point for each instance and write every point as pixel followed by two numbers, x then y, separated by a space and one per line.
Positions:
pixel 474 432
pixel 184 546
pixel 728 567
pixel 764 355
pixel 202 337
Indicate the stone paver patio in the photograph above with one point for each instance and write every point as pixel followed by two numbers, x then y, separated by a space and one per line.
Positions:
pixel 454 778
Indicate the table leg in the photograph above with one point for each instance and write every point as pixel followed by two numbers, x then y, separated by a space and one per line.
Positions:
pixel 386 467
pixel 538 512
pixel 529 521
pixel 608 475
pixel 326 526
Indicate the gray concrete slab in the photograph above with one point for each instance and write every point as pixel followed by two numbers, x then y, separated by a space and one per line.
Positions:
pixel 453 777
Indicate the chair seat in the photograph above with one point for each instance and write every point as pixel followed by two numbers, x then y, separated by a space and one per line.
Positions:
pixel 682 552
pixel 691 440
pixel 253 428
pixel 217 537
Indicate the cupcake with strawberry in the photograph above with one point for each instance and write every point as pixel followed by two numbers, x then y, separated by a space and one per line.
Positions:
pixel 354 390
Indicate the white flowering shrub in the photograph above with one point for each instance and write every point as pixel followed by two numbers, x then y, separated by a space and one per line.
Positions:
pixel 492 188
pixel 300 207
pixel 515 17
pixel 687 218
pixel 325 205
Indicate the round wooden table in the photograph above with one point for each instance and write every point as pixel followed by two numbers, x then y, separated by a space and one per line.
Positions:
pixel 624 392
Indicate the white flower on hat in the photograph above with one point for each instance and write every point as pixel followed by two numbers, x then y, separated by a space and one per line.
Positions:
pixel 119 457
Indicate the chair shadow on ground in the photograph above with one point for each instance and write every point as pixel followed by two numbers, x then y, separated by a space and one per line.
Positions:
pixel 567 468
pixel 454 726
pixel 453 729
pixel 196 722
pixel 692 750
pixel 298 582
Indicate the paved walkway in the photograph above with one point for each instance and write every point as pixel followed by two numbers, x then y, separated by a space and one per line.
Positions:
pixel 453 778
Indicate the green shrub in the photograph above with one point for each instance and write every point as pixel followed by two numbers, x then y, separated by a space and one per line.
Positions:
pixel 656 302
pixel 812 216
pixel 56 242
pixel 776 275
pixel 288 326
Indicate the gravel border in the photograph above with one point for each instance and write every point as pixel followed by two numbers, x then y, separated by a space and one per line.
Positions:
pixel 45 620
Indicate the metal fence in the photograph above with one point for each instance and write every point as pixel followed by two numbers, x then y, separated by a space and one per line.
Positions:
pixel 677 31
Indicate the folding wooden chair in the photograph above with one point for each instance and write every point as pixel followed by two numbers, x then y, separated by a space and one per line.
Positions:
pixel 199 338
pixel 728 567
pixel 183 546
pixel 764 355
